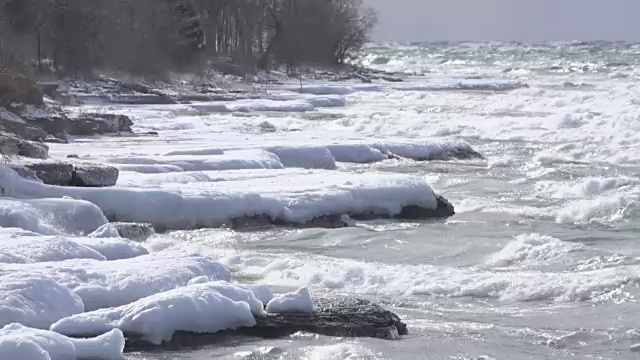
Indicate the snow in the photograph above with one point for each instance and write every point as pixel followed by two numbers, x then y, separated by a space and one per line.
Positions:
pixel 199 308
pixel 294 302
pixel 49 216
pixel 17 246
pixel 103 284
pixel 35 300
pixel 253 159
pixel 113 248
pixel 18 342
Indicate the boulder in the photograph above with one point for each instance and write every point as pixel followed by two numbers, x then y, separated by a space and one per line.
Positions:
pixel 94 175
pixel 61 173
pixel 348 317
pixel 49 172
pixel 91 124
pixel 443 210
pixel 11 146
pixel 134 231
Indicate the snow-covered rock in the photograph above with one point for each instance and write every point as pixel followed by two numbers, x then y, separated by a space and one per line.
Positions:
pixel 35 301
pixel 104 284
pixel 50 216
pixel 294 302
pixel 198 308
pixel 18 342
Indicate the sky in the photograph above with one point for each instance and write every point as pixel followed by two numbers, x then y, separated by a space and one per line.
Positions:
pixel 524 20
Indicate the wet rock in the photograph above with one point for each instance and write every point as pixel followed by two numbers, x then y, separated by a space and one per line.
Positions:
pixel 444 209
pixel 94 175
pixel 348 317
pixel 134 231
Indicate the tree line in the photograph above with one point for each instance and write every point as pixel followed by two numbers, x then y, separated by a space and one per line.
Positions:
pixel 146 37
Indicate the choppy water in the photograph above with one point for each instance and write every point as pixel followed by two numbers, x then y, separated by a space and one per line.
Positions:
pixel 542 259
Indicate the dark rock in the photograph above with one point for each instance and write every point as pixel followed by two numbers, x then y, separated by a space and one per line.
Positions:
pixel 153 133
pixel 49 89
pixel 92 124
pixel 134 231
pixel 94 175
pixel 444 209
pixel 62 173
pixel 53 125
pixel 11 146
pixel 73 156
pixel 51 172
pixel 347 317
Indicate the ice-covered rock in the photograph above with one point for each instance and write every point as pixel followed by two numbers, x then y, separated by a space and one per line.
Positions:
pixel 50 216
pixel 18 342
pixel 34 300
pixel 199 308
pixel 294 302
pixel 305 157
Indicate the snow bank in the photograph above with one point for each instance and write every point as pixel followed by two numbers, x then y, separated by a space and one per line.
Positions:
pixel 199 308
pixel 18 342
pixel 35 301
pixel 295 302
pixel 49 216
pixel 477 85
pixel 21 247
pixel 334 89
pixel 253 159
pixel 103 284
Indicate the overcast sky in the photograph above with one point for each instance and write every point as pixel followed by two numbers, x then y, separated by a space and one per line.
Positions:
pixel 527 20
